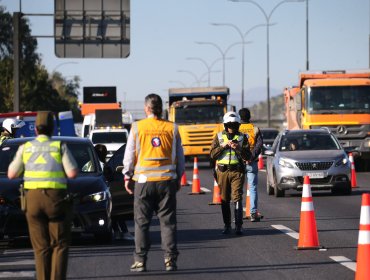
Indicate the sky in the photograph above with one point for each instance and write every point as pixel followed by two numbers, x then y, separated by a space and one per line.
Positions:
pixel 164 34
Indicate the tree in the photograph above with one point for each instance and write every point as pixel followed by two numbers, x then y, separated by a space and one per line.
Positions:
pixel 39 91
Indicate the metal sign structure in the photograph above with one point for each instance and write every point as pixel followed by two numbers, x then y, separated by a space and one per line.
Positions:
pixel 92 28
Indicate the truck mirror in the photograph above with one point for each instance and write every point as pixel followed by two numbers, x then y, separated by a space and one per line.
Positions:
pixel 298 102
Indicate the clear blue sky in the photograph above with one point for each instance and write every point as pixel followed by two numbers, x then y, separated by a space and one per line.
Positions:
pixel 164 32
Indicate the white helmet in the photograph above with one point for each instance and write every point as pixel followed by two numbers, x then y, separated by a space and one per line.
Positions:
pixel 231 117
pixel 10 124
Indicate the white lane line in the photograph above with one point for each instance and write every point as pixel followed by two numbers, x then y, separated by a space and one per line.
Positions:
pixel 287 231
pixel 262 170
pixel 205 190
pixel 21 262
pixel 20 274
pixel 13 252
pixel 345 262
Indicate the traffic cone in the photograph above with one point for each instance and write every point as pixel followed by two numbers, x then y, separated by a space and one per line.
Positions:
pixel 308 237
pixel 247 204
pixel 353 171
pixel 363 249
pixel 216 194
pixel 260 162
pixel 196 181
pixel 184 181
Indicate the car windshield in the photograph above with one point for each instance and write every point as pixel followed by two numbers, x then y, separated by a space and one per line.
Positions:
pixel 109 137
pixel 308 141
pixel 269 134
pixel 199 114
pixel 82 153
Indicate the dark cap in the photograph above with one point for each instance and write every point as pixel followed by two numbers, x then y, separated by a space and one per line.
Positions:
pixel 45 119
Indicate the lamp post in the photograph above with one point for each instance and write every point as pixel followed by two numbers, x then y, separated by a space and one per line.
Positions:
pixel 192 74
pixel 268 17
pixel 242 36
pixel 223 54
pixel 61 64
pixel 178 82
pixel 307 61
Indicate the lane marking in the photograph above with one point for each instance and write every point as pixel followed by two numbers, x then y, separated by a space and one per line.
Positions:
pixel 12 252
pixel 20 274
pixel 20 262
pixel 345 262
pixel 205 190
pixel 287 231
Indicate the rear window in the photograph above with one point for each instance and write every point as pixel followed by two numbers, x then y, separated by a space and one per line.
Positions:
pixel 269 134
pixel 109 137
pixel 308 141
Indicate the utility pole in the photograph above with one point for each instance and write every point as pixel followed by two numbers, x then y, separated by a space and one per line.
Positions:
pixel 16 59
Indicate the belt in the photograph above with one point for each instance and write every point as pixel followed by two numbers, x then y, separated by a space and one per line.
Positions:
pixel 230 167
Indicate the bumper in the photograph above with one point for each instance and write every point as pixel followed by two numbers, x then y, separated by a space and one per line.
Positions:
pixel 196 150
pixel 340 181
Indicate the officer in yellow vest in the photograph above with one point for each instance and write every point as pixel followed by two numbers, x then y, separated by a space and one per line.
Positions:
pixel 9 128
pixel 230 149
pixel 154 160
pixel 45 165
pixel 256 142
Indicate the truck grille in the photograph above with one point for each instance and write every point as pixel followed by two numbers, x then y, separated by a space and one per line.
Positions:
pixel 200 137
pixel 346 131
pixel 316 165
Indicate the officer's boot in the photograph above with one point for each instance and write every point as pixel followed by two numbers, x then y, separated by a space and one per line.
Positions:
pixel 238 214
pixel 226 215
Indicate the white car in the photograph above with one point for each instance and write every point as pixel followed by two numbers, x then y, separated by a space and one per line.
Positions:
pixel 112 138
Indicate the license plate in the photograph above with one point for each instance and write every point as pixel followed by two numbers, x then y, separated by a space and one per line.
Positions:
pixel 315 175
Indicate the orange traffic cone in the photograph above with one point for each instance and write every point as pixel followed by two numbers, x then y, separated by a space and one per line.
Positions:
pixel 216 194
pixel 196 181
pixel 353 171
pixel 184 181
pixel 247 204
pixel 308 237
pixel 363 249
pixel 260 162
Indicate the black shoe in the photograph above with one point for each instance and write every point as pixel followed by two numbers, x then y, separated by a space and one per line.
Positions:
pixel 238 230
pixel 170 264
pixel 255 217
pixel 226 230
pixel 138 267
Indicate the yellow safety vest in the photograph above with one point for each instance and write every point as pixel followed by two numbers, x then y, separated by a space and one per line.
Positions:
pixel 43 164
pixel 228 156
pixel 251 130
pixel 155 149
pixel 3 138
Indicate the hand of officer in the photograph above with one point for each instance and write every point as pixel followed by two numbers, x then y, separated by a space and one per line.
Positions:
pixel 233 145
pixel 128 184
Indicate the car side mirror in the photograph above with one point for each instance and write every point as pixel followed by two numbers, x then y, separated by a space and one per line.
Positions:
pixel 119 169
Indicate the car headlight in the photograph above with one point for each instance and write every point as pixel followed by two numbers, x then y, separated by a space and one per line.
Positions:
pixel 285 163
pixel 342 161
pixel 95 197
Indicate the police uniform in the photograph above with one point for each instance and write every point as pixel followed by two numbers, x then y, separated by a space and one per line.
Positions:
pixel 230 174
pixel 45 163
pixel 154 159
pixel 4 137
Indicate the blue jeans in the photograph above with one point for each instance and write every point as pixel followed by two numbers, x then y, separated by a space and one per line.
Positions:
pixel 252 179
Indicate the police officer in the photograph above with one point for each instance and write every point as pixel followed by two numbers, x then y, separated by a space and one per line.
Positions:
pixel 46 164
pixel 9 128
pixel 154 159
pixel 230 149
pixel 255 142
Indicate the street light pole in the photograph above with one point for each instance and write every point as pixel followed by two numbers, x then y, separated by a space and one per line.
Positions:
pixel 206 64
pixel 267 17
pixel 242 36
pixel 307 61
pixel 223 54
pixel 61 64
pixel 192 74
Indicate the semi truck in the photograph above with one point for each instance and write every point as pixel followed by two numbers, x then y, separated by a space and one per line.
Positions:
pixel 198 113
pixel 338 100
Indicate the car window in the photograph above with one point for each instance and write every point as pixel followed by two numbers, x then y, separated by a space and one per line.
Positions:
pixel 275 144
pixel 109 137
pixel 308 141
pixel 84 156
pixel 269 134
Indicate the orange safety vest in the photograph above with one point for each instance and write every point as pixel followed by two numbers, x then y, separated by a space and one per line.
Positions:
pixel 155 149
pixel 251 130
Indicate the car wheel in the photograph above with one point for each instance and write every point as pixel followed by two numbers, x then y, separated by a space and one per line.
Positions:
pixel 347 190
pixel 269 189
pixel 277 192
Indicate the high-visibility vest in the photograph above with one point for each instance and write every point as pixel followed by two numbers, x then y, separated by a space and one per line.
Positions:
pixel 3 138
pixel 251 130
pixel 228 156
pixel 43 164
pixel 155 149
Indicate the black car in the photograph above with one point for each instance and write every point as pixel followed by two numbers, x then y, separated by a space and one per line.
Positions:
pixel 268 135
pixel 92 198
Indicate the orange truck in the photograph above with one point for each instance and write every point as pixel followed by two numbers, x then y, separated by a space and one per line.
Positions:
pixel 338 100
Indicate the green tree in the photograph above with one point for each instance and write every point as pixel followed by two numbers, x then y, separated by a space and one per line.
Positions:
pixel 39 91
